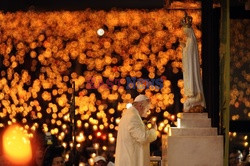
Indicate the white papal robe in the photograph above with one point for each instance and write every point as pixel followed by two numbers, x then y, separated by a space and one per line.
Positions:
pixel 133 139
pixel 193 89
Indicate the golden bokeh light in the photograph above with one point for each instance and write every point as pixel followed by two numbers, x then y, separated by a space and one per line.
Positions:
pixel 239 73
pixel 40 62
pixel 16 145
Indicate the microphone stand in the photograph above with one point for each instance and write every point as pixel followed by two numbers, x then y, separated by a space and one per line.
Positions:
pixel 73 126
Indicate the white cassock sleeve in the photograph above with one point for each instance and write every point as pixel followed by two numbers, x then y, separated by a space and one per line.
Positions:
pixel 139 131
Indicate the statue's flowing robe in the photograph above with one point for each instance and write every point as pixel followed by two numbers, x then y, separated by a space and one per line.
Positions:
pixel 193 89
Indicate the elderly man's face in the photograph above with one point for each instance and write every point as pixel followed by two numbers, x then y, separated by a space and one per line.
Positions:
pixel 145 109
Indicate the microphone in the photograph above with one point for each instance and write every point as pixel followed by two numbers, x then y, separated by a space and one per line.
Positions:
pixel 72 106
pixel 73 126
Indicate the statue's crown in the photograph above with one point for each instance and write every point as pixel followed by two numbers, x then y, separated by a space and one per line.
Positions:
pixel 187 21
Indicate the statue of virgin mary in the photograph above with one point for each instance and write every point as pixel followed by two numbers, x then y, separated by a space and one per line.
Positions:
pixel 193 90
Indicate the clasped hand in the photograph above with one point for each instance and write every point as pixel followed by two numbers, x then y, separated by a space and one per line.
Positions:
pixel 153 123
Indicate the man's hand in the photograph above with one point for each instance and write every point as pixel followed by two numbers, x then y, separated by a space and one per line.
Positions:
pixel 153 122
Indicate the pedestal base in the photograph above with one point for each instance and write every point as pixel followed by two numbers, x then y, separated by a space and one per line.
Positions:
pixel 193 143
pixel 195 151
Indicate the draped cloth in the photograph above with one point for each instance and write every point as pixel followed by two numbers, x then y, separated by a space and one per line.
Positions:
pixel 193 89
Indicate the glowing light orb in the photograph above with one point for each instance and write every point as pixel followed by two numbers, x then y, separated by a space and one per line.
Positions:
pixel 128 105
pixel 100 32
pixel 16 145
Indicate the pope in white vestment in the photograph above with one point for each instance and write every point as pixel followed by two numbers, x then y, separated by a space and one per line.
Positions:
pixel 133 139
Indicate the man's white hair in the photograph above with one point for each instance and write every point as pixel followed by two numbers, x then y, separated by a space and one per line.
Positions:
pixel 141 98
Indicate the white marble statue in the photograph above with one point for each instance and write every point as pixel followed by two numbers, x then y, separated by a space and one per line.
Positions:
pixel 193 90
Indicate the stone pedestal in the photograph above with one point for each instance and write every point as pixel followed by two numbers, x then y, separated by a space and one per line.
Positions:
pixel 192 143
